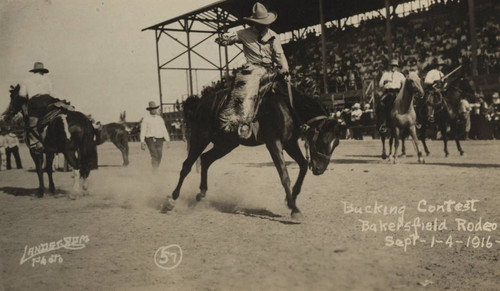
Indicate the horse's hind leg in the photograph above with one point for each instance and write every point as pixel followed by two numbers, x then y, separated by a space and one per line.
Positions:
pixel 396 137
pixel 194 152
pixel 219 150
pixel 294 151
pixel 49 168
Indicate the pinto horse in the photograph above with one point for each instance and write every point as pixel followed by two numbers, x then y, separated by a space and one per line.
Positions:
pixel 449 111
pixel 402 121
pixel 67 132
pixel 279 129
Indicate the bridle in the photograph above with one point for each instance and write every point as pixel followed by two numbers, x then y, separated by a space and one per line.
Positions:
pixel 311 143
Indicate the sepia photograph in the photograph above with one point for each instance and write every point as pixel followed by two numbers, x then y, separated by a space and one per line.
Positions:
pixel 249 145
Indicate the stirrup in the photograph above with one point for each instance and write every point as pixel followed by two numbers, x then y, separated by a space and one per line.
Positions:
pixel 244 131
pixel 382 129
pixel 430 119
pixel 37 146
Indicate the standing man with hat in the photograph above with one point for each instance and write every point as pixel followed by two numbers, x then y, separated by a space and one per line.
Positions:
pixel 391 81
pixel 12 148
pixel 434 85
pixel 153 134
pixel 37 85
pixel 263 52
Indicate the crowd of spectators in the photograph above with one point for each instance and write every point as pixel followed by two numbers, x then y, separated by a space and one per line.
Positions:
pixel 359 53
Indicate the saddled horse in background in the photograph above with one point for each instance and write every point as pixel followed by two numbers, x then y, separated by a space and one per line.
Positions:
pixel 449 111
pixel 279 129
pixel 67 132
pixel 116 133
pixel 402 121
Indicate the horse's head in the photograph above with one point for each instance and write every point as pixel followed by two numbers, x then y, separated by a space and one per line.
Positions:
pixel 414 84
pixel 321 140
pixel 16 103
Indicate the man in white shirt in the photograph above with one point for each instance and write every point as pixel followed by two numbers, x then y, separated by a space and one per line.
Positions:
pixel 33 87
pixel 434 85
pixel 12 147
pixel 153 134
pixel 263 52
pixel 391 81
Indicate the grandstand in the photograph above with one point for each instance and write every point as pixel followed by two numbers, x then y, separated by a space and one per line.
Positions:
pixel 341 61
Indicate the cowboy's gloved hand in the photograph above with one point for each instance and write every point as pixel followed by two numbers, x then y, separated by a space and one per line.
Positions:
pixel 285 74
pixel 143 145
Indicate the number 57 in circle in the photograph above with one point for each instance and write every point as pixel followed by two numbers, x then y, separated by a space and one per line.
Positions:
pixel 168 257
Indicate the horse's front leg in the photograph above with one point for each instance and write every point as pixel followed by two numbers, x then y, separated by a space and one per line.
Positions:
pixel 455 131
pixel 276 150
pixel 396 143
pixel 382 139
pixel 38 159
pixel 413 133
pixel 294 151
pixel 49 169
pixel 219 150
pixel 442 129
pixel 422 138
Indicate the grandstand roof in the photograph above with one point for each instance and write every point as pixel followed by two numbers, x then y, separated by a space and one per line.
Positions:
pixel 292 14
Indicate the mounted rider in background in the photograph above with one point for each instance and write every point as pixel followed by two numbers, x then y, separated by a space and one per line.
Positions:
pixel 264 55
pixel 434 87
pixel 392 81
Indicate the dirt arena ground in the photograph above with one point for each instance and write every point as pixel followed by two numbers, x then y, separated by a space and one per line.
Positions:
pixel 241 236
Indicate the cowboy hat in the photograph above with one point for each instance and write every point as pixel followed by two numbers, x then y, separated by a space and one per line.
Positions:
pixel 261 15
pixel 495 95
pixel 440 62
pixel 357 105
pixel 394 63
pixel 38 67
pixel 152 106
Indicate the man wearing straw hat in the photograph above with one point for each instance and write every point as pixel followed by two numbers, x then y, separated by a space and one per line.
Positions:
pixel 263 53
pixel 153 134
pixel 391 81
pixel 38 84
pixel 434 84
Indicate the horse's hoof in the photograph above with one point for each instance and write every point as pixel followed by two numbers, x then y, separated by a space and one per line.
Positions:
pixel 402 156
pixel 297 216
pixel 175 195
pixel 427 153
pixel 384 156
pixel 462 153
pixel 167 206
pixel 200 196
pixel 446 155
pixel 72 196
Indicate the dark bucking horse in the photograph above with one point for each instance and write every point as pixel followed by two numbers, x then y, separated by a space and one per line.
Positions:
pixel 279 129
pixel 449 110
pixel 67 132
pixel 402 121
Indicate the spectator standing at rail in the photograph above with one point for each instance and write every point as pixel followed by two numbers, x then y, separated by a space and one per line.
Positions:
pixel 391 81
pixel 12 148
pixel 263 53
pixel 153 134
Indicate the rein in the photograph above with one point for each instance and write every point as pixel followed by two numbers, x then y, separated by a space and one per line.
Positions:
pixel 314 151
